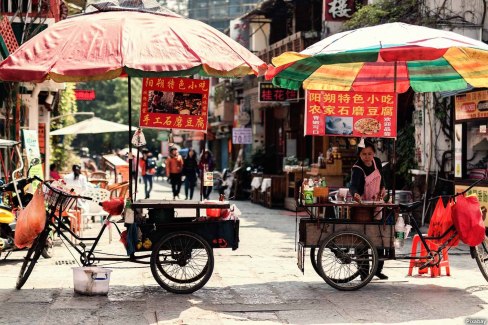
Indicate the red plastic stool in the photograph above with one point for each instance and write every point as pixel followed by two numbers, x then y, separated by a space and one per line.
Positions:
pixel 434 270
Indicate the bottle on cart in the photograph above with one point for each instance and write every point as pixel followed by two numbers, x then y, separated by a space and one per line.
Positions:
pixel 400 228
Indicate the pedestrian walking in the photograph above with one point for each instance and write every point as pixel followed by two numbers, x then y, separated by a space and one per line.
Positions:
pixel 190 171
pixel 147 166
pixel 174 166
pixel 206 164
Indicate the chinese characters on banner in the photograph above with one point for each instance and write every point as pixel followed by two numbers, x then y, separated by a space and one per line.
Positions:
pixel 174 103
pixel 472 105
pixel 358 114
pixel 270 93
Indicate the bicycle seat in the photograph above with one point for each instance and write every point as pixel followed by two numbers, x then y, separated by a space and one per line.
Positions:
pixel 407 207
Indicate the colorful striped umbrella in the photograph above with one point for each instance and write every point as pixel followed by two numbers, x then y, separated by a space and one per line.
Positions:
pixel 384 58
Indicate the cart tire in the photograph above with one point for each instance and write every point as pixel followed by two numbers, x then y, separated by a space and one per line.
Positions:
pixel 182 262
pixel 31 258
pixel 481 256
pixel 347 260
pixel 313 260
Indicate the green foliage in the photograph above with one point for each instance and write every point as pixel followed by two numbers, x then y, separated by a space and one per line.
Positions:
pixel 111 103
pixel 405 151
pixel 387 11
pixel 61 151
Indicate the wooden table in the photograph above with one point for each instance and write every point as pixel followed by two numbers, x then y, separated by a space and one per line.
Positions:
pixel 171 204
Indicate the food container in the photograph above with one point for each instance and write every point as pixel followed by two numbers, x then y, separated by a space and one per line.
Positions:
pixel 91 280
pixel 213 212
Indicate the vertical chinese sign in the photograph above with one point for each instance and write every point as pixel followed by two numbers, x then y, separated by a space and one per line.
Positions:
pixel 174 103
pixel 358 114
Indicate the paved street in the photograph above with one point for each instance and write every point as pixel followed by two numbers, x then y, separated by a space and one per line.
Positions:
pixel 258 283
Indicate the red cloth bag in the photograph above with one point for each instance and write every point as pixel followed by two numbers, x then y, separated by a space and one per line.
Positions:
pixel 468 220
pixel 30 221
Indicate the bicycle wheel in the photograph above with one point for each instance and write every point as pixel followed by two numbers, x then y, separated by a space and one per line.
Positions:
pixel 347 260
pixel 481 255
pixel 313 260
pixel 182 262
pixel 31 258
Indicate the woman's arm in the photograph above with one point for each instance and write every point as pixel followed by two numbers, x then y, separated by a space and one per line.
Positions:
pixel 357 181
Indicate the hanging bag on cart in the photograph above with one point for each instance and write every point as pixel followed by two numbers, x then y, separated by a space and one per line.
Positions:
pixel 468 220
pixel 30 221
pixel 441 221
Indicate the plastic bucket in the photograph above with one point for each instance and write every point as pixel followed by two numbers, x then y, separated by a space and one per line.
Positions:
pixel 213 212
pixel 91 280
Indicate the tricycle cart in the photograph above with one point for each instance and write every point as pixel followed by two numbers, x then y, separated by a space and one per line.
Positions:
pixel 346 253
pixel 181 258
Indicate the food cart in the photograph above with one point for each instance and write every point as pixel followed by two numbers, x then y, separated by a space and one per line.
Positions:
pixel 471 144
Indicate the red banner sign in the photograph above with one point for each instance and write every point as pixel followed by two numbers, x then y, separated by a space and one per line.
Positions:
pixel 358 114
pixel 85 94
pixel 174 103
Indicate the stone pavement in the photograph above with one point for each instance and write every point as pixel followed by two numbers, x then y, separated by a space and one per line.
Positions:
pixel 259 284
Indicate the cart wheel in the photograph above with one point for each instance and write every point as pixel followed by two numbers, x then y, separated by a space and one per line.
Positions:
pixel 31 258
pixel 313 260
pixel 481 255
pixel 347 260
pixel 182 262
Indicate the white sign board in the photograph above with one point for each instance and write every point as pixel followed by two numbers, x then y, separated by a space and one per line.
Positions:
pixel 242 136
pixel 458 154
pixel 208 179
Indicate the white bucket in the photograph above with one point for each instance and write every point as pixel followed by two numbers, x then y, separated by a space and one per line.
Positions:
pixel 91 280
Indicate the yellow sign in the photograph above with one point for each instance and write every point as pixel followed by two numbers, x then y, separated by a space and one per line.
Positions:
pixel 480 191
pixel 472 105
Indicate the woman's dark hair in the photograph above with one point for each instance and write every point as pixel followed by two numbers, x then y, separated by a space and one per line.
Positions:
pixel 76 171
pixel 367 144
pixel 52 167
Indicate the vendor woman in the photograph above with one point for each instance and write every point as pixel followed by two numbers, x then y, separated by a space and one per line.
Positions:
pixel 367 183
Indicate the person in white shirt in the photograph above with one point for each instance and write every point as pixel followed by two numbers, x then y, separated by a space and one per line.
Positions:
pixel 76 180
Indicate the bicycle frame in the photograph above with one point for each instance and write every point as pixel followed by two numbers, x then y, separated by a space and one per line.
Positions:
pixel 424 240
pixel 87 258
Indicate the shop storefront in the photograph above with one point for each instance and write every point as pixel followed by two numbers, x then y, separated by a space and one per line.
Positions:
pixel 471 143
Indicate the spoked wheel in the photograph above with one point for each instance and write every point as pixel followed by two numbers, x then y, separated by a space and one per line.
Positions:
pixel 313 260
pixel 31 258
pixel 481 255
pixel 347 260
pixel 182 262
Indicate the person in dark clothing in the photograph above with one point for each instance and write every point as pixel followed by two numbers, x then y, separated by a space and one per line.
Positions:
pixel 190 171
pixel 367 183
pixel 206 164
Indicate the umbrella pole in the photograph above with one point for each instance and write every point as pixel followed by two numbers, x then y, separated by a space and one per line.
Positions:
pixel 203 171
pixel 393 165
pixel 129 95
